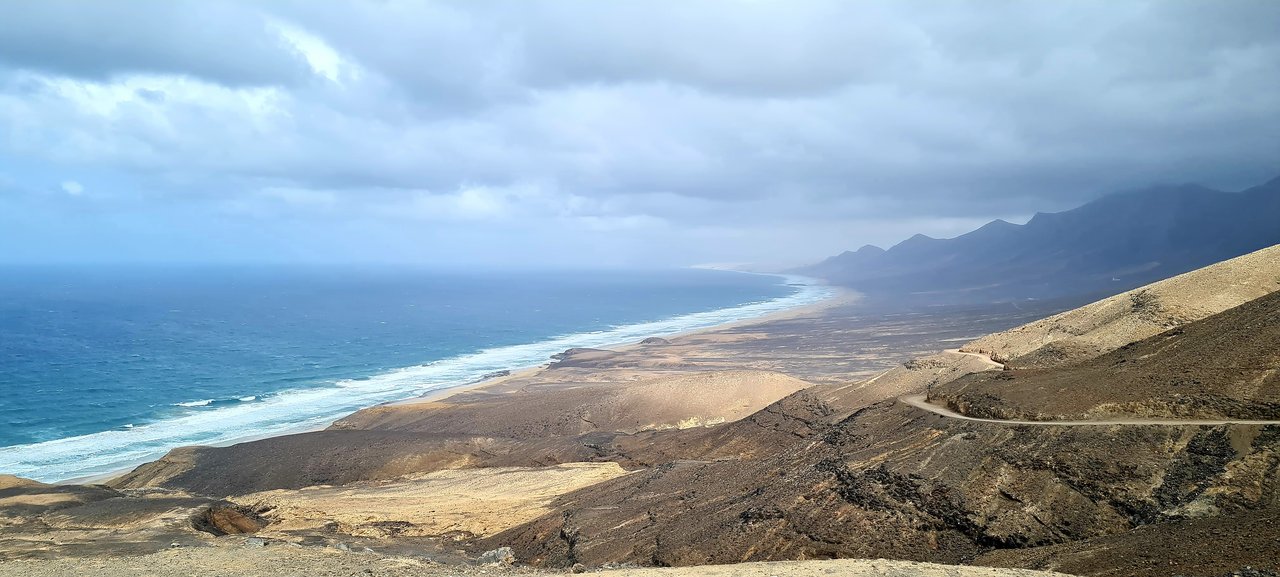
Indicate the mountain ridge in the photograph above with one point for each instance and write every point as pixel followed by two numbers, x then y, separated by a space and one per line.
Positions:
pixel 1111 244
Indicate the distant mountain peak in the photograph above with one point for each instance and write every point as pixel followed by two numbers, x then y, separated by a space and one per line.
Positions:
pixel 1039 217
pixel 915 241
pixel 869 249
pixel 998 224
pixel 1115 241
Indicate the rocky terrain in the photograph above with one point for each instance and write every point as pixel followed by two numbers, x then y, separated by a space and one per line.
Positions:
pixel 787 440
pixel 309 562
pixel 1224 366
pixel 1088 331
pixel 887 479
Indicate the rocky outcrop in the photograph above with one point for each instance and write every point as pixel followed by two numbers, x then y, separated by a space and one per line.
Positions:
pixel 223 518
pixel 893 481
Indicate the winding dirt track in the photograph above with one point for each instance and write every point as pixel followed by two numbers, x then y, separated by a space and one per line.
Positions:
pixel 984 358
pixel 922 402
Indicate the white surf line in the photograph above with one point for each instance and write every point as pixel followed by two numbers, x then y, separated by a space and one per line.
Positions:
pixel 922 402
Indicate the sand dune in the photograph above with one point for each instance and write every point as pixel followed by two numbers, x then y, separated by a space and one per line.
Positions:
pixel 669 402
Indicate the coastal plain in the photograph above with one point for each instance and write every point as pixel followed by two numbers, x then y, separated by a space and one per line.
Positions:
pixel 831 433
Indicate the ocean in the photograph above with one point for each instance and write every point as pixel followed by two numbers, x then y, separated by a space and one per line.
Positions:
pixel 102 368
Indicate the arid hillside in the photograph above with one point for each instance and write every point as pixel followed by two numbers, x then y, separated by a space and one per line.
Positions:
pixel 700 450
pixel 1225 366
pixel 893 480
pixel 1131 316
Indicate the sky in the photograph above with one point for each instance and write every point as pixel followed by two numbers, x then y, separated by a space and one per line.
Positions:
pixel 610 133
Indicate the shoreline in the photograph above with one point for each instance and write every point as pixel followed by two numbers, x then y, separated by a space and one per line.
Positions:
pixel 839 296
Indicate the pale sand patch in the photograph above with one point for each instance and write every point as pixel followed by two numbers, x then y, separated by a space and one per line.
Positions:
pixel 583 405
pixel 477 501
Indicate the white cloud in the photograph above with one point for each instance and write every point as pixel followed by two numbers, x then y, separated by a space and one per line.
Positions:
pixel 320 56
pixel 72 187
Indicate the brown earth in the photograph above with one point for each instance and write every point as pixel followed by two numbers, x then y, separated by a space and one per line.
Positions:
pixel 1224 366
pixel 286 561
pixel 837 469
pixel 38 520
pixel 894 481
pixel 832 347
pixel 1206 546
pixel 1110 323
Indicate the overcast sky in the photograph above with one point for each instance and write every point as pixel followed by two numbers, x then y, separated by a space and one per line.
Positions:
pixel 604 133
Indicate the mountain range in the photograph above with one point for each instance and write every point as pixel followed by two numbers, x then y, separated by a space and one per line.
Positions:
pixel 1112 244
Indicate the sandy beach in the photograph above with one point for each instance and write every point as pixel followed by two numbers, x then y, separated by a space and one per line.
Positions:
pixel 518 375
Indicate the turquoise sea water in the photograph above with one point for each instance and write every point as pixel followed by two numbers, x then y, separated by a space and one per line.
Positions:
pixel 102 368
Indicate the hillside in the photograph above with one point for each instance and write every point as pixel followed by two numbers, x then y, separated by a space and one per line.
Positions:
pixel 1227 365
pixel 888 479
pixel 1109 245
pixel 1090 330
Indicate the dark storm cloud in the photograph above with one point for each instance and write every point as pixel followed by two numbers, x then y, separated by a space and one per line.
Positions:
pixel 221 41
pixel 747 122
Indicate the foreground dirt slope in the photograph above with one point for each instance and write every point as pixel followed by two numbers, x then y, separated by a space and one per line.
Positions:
pixel 1227 365
pixel 1208 546
pixel 1131 316
pixel 895 481
pixel 301 562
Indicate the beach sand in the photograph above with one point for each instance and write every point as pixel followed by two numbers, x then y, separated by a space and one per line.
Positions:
pixel 587 407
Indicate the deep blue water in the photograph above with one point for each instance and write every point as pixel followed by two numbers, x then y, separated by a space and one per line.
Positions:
pixel 101 368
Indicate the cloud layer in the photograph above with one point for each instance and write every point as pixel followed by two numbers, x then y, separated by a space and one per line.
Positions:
pixel 605 132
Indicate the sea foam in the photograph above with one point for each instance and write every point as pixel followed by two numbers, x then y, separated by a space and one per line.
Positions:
pixel 214 423
pixel 201 403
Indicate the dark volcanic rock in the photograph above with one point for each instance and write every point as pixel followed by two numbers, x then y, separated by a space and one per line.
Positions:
pixel 223 518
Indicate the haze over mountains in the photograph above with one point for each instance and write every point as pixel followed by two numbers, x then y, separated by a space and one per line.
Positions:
pixel 1111 244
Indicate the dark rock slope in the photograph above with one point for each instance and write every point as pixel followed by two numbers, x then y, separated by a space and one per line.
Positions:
pixel 891 480
pixel 1227 365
